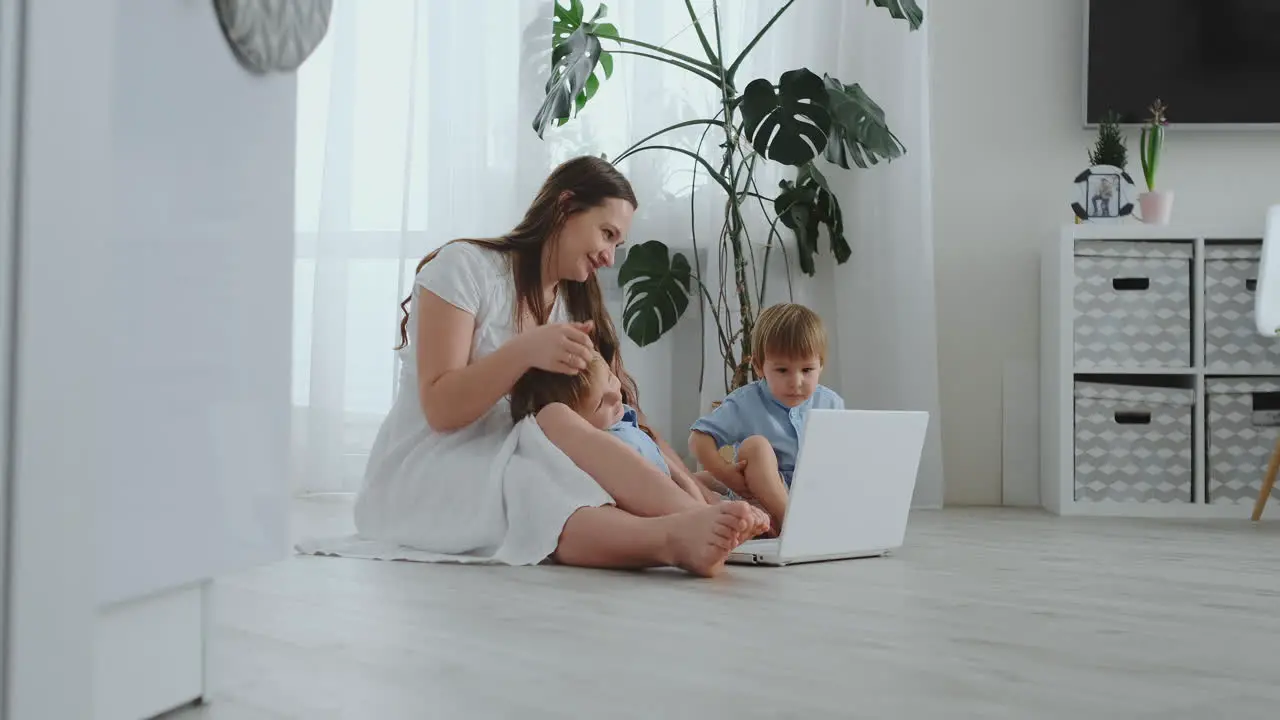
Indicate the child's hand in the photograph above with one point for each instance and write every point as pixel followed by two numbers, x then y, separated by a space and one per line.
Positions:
pixel 731 474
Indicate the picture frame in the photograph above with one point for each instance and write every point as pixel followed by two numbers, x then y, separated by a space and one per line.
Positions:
pixel 1103 194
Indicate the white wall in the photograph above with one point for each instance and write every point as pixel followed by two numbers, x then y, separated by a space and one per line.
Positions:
pixel 1007 141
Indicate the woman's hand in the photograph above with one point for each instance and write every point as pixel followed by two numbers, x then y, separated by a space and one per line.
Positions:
pixel 560 347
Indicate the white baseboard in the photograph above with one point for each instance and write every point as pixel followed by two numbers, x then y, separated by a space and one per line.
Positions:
pixel 150 654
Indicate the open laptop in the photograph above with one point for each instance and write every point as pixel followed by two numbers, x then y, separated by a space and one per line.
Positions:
pixel 851 491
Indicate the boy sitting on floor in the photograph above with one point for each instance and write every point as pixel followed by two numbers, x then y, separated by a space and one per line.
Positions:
pixel 763 421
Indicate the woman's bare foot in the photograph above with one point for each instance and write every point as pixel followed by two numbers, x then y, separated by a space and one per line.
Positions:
pixel 699 541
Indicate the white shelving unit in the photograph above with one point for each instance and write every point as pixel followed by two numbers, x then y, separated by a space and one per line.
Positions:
pixel 1060 371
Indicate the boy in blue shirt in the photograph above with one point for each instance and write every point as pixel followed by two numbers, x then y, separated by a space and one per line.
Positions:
pixel 764 421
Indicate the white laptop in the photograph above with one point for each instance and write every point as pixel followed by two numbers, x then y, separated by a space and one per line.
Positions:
pixel 851 491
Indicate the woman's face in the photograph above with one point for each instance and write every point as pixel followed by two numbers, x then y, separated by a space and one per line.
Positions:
pixel 602 404
pixel 589 238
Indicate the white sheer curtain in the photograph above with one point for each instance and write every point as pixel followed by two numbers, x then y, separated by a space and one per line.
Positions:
pixel 414 127
pixel 884 298
pixel 879 306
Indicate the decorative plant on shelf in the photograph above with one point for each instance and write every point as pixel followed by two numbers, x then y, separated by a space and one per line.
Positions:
pixel 1157 205
pixel 791 120
pixel 1110 148
pixel 1152 141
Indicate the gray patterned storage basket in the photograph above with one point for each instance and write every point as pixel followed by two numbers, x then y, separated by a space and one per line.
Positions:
pixel 1132 304
pixel 1232 342
pixel 1133 443
pixel 1243 424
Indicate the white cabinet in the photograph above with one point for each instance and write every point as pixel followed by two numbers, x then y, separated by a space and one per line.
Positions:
pixel 1146 333
pixel 197 294
pixel 153 348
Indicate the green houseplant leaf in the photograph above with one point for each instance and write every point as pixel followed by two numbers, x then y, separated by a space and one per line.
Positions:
pixel 859 134
pixel 805 204
pixel 790 120
pixel 903 10
pixel 576 52
pixel 658 285
pixel 790 124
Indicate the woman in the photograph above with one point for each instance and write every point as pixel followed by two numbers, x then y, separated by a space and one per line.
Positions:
pixel 450 474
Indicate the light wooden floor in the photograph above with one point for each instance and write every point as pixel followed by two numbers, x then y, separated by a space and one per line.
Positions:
pixel 985 614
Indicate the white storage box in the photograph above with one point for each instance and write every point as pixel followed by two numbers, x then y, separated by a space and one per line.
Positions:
pixel 1243 425
pixel 1231 341
pixel 1133 443
pixel 1132 305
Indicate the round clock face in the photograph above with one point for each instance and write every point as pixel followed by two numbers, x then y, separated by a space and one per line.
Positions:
pixel 273 35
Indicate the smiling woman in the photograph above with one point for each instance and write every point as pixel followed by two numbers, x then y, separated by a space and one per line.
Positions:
pixel 449 472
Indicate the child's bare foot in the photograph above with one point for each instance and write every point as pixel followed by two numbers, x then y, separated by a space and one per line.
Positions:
pixel 764 524
pixel 775 526
pixel 757 517
pixel 700 541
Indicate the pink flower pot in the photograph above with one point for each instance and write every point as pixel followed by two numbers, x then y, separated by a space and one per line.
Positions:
pixel 1156 206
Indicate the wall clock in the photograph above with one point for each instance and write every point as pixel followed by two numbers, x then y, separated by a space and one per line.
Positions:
pixel 273 35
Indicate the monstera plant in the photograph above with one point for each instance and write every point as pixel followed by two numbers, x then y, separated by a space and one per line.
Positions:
pixel 792 120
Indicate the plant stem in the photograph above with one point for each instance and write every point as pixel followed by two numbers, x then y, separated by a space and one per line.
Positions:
pixel 786 260
pixel 700 73
pixel 746 169
pixel 702 36
pixel 733 69
pixel 697 262
pixel 697 158
pixel 1151 141
pixel 733 219
pixel 768 247
pixel 726 343
pixel 705 66
pixel 677 126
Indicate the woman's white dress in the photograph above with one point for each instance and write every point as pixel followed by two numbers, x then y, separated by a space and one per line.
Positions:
pixel 492 491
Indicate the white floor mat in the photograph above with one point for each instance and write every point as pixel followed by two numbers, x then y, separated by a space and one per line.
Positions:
pixel 354 546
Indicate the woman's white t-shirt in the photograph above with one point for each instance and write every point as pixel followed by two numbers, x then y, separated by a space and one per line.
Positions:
pixel 492 491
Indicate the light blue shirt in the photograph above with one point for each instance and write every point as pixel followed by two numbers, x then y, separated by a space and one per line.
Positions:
pixel 753 410
pixel 628 431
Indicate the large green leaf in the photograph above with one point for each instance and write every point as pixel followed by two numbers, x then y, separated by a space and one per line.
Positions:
pixel 569 35
pixel 903 10
pixel 805 204
pixel 859 133
pixel 790 124
pixel 658 285
pixel 569 73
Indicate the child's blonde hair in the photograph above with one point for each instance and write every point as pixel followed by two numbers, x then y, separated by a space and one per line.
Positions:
pixel 788 331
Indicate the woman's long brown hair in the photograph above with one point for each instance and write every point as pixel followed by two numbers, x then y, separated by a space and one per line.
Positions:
pixel 588 182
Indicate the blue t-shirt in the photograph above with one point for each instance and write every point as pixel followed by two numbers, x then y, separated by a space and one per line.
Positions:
pixel 753 410
pixel 628 431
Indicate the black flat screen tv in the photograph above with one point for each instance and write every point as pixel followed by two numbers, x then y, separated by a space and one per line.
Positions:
pixel 1212 62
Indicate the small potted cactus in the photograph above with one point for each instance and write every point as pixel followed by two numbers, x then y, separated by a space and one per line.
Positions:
pixel 1157 205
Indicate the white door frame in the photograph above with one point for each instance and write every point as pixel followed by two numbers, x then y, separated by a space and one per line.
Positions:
pixel 10 56
pixel 56 70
